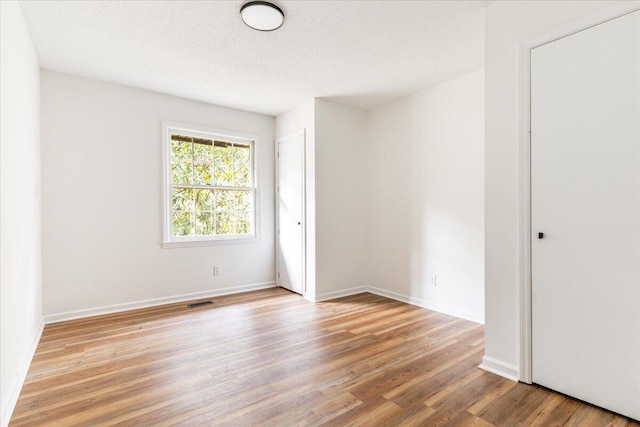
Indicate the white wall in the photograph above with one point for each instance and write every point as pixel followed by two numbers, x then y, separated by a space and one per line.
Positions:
pixel 425 197
pixel 340 199
pixel 102 198
pixel 20 265
pixel 507 24
pixel 299 118
pixel 335 226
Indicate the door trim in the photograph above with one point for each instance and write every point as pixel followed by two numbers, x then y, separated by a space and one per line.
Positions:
pixel 524 131
pixel 299 134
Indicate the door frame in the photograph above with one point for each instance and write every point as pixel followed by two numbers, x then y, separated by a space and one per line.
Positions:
pixel 299 134
pixel 597 17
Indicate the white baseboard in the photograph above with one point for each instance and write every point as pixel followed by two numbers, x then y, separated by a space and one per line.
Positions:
pixel 501 368
pixel 338 294
pixel 474 317
pixel 79 314
pixel 9 404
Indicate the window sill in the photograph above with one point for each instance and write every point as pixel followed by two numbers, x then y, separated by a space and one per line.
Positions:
pixel 209 242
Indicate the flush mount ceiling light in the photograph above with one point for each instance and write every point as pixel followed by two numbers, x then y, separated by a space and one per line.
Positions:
pixel 262 15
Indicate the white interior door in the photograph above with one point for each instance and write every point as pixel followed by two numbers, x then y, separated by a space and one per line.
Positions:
pixel 290 194
pixel 585 198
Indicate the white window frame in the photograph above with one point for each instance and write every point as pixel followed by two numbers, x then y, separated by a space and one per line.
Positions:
pixel 170 241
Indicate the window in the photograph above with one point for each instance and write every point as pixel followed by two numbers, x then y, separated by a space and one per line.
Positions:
pixel 210 189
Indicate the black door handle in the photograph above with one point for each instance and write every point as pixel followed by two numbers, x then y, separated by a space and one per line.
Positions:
pixel 540 235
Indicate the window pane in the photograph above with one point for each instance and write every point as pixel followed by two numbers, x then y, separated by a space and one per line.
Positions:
pixel 205 224
pixel 181 162
pixel 182 199
pixel 225 223
pixel 243 201
pixel 202 173
pixel 204 200
pixel 241 154
pixel 181 151
pixel 203 151
pixel 182 224
pixel 202 161
pixel 242 176
pixel 243 222
pixel 223 159
pixel 225 200
pixel 242 165
pixel 182 173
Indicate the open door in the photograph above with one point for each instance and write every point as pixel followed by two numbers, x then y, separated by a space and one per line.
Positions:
pixel 290 212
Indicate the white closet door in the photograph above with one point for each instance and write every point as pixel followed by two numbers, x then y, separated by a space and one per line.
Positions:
pixel 290 193
pixel 585 198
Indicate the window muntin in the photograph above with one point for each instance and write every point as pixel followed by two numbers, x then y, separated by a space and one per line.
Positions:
pixel 211 187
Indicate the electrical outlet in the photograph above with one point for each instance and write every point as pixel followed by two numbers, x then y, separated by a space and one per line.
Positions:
pixel 433 280
pixel 216 270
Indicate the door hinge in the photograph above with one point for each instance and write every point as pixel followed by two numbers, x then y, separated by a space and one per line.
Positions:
pixel 278 275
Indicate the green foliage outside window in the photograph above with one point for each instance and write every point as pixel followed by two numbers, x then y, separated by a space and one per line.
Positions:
pixel 211 184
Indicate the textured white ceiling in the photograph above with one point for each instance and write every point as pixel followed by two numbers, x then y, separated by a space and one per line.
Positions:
pixel 361 53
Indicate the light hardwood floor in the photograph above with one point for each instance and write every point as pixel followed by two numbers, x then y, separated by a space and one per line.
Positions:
pixel 270 358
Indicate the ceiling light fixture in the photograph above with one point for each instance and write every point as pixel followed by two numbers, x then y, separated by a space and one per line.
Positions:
pixel 262 15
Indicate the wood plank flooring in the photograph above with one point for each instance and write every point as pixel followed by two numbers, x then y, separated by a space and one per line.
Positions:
pixel 270 358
